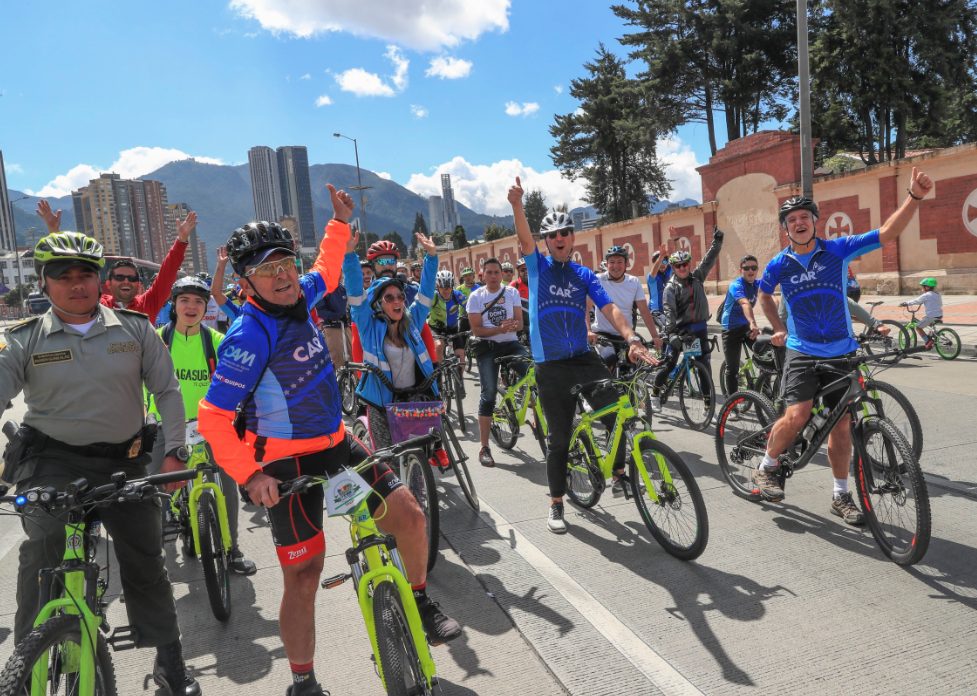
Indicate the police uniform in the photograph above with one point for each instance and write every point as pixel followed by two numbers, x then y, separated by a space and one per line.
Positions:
pixel 85 417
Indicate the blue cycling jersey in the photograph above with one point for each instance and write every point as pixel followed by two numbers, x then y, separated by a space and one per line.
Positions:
pixel 656 289
pixel 818 321
pixel 739 289
pixel 558 306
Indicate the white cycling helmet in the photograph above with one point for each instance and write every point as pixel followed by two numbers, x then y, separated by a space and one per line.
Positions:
pixel 554 222
pixel 445 279
pixel 507 266
pixel 602 267
pixel 680 256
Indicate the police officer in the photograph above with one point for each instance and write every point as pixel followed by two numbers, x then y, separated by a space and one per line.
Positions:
pixel 82 366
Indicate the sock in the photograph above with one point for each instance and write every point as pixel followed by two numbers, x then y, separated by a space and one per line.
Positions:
pixel 420 591
pixel 303 677
pixel 768 462
pixel 841 486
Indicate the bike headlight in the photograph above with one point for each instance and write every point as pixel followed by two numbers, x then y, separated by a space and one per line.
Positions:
pixel 20 501
pixel 32 497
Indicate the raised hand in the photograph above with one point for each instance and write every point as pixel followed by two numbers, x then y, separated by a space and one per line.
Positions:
pixel 515 194
pixel 221 257
pixel 427 243
pixel 353 241
pixel 342 204
pixel 186 227
pixel 920 185
pixel 52 220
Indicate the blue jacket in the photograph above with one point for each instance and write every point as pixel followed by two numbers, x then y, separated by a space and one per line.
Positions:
pixel 332 307
pixel 373 331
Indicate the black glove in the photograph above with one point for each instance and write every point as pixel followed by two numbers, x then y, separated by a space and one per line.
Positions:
pixel 717 235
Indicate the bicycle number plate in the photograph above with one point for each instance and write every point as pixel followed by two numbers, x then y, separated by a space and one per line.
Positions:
pixel 346 491
pixel 193 437
pixel 694 349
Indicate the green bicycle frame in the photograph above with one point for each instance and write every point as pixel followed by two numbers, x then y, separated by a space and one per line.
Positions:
pixel 625 412
pixel 195 489
pixel 522 410
pixel 74 660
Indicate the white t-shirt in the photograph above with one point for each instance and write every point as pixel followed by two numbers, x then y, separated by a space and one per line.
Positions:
pixel 504 309
pixel 83 328
pixel 932 303
pixel 623 295
pixel 211 315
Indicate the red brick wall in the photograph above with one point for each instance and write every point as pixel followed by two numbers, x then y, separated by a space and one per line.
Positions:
pixel 507 252
pixel 480 257
pixel 639 257
pixel 942 217
pixel 888 202
pixel 776 153
pixel 691 244
pixel 584 256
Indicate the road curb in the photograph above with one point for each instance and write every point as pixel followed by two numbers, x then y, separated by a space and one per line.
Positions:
pixel 952 486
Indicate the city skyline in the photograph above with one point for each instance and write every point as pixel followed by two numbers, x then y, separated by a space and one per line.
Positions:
pixel 281 188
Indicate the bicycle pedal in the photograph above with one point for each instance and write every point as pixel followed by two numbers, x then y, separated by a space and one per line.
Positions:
pixel 335 581
pixel 123 638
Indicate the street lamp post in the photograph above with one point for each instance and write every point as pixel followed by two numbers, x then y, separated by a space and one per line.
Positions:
pixel 360 187
pixel 804 80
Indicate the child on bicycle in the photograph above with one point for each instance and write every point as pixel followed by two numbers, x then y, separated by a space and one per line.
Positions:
pixel 931 301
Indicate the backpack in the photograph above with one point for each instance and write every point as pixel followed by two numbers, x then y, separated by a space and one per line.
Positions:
pixel 205 337
pixel 722 309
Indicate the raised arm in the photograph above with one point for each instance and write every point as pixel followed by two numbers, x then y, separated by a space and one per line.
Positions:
pixel 709 260
pixel 897 222
pixel 526 242
pixel 329 263
pixel 217 284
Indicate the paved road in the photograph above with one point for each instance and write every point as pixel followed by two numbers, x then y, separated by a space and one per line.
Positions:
pixel 785 599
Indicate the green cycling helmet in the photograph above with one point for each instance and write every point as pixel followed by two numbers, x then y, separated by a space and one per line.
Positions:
pixel 928 282
pixel 466 270
pixel 69 246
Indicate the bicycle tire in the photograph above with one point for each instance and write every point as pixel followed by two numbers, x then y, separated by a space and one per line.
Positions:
pixel 213 557
pixel 457 459
pixel 741 441
pixel 585 480
pixel 537 424
pixel 459 403
pixel 673 498
pixel 504 426
pixel 744 381
pixel 419 479
pixel 347 391
pixel 948 344
pixel 186 529
pixel 893 483
pixel 361 432
pixel 897 337
pixel 908 424
pixel 16 677
pixel 910 336
pixel 703 390
pixel 768 384
pixel 446 397
pixel 400 666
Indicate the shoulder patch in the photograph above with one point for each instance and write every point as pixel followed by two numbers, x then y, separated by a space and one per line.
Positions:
pixel 130 312
pixel 21 325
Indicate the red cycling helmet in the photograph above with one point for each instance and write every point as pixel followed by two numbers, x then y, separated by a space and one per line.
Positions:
pixel 382 248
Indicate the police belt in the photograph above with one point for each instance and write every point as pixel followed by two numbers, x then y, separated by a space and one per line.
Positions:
pixel 130 449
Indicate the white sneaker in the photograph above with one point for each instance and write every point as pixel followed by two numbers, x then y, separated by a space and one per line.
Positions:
pixel 555 522
pixel 655 403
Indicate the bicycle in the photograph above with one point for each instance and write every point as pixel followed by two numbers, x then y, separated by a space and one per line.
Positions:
pixel 450 384
pixel 400 647
pixel 887 473
pixel 197 514
pixel 68 646
pixel 946 340
pixel 697 395
pixel 519 395
pixel 348 381
pixel 755 372
pixel 871 341
pixel 664 490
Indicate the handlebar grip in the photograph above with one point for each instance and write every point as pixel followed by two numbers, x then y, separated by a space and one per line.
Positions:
pixel 10 429
pixel 172 477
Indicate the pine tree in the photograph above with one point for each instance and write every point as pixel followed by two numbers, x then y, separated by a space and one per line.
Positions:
pixel 535 207
pixel 459 237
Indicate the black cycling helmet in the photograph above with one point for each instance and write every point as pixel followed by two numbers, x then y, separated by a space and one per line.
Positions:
pixel 190 285
pixel 416 265
pixel 617 251
pixel 254 241
pixel 797 203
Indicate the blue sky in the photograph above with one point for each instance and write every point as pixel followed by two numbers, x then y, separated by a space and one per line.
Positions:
pixel 470 90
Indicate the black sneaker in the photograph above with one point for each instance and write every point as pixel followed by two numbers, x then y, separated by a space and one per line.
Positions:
pixel 844 507
pixel 317 690
pixel 555 523
pixel 768 483
pixel 485 457
pixel 170 672
pixel 239 564
pixel 438 627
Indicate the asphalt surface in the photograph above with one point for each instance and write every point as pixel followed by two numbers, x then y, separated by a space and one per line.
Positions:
pixel 785 599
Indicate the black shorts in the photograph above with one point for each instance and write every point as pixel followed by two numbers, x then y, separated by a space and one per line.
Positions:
pixel 457 342
pixel 296 522
pixel 801 384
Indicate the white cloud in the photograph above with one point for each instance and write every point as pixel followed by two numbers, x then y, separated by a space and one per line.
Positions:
pixel 513 109
pixel 383 175
pixel 132 163
pixel 448 67
pixel 366 84
pixel 306 76
pixel 559 89
pixel 579 111
pixel 324 100
pixel 11 167
pixel 483 188
pixel 680 164
pixel 251 35
pixel 223 32
pixel 418 111
pixel 419 24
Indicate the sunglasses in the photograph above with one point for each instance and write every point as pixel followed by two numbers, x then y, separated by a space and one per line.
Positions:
pixel 749 268
pixel 385 262
pixel 562 233
pixel 272 268
pixel 680 265
pixel 124 278
pixel 390 299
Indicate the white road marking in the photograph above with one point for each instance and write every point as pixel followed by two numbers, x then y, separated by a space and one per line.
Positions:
pixel 655 667
pixel 10 540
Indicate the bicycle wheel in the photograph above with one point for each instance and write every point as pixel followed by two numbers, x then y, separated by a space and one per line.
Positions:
pixel 58 635
pixel 445 392
pixel 537 424
pixel 504 426
pixel 186 529
pixel 696 396
pixel 459 403
pixel 419 479
pixel 741 440
pixel 898 338
pixel 744 380
pixel 457 459
pixel 361 432
pixel 400 666
pixel 678 519
pixel 213 557
pixel 893 492
pixel 585 481
pixel 909 338
pixel 347 391
pixel 768 384
pixel 947 344
pixel 899 411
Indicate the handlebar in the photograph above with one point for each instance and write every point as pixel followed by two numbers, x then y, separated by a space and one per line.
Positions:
pixel 416 389
pixel 854 361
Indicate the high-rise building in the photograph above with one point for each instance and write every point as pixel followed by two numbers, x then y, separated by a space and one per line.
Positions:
pixel 128 217
pixel 296 187
pixel 443 209
pixel 435 214
pixel 266 188
pixel 175 214
pixel 202 255
pixel 7 234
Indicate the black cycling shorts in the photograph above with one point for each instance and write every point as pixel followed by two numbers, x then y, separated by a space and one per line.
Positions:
pixel 457 342
pixel 802 383
pixel 296 521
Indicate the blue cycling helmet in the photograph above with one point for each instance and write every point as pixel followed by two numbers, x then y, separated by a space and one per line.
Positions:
pixel 616 251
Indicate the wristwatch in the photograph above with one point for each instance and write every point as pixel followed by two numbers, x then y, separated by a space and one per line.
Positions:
pixel 635 339
pixel 181 454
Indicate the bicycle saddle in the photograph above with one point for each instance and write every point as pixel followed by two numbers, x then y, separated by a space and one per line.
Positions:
pixel 874 304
